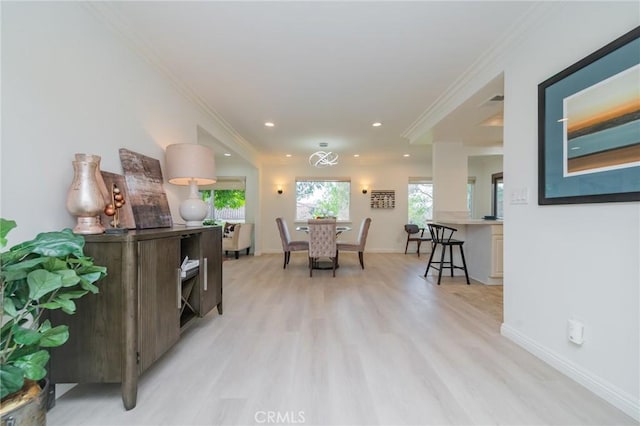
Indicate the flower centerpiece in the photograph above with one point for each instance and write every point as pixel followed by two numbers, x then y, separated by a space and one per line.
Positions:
pixel 322 213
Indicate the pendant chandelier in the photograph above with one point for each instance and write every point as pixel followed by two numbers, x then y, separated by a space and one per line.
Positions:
pixel 323 158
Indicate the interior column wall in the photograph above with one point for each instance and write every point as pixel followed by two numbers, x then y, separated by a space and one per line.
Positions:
pixel 449 180
pixel 575 261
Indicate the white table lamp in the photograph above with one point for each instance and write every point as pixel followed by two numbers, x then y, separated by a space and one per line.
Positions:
pixel 193 165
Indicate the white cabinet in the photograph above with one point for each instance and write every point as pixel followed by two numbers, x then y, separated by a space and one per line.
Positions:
pixel 497 252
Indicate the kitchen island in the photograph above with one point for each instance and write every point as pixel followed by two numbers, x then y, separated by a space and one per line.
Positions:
pixel 483 248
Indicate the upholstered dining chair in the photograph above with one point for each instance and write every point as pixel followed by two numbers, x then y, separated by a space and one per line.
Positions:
pixel 322 242
pixel 359 244
pixel 415 233
pixel 289 245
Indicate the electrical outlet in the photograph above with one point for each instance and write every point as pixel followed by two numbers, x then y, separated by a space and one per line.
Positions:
pixel 575 332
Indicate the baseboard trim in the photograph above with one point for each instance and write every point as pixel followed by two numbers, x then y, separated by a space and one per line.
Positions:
pixel 595 384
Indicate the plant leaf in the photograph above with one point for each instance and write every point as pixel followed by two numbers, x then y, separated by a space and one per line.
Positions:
pixel 42 282
pixel 44 326
pixel 54 244
pixel 88 286
pixel 58 244
pixel 50 305
pixel 54 264
pixel 11 379
pixel 26 264
pixel 13 275
pixel 55 336
pixel 67 305
pixel 9 307
pixel 25 336
pixel 92 277
pixel 73 294
pixel 69 277
pixel 5 227
pixel 33 364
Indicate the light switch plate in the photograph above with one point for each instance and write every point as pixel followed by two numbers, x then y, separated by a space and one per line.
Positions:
pixel 520 196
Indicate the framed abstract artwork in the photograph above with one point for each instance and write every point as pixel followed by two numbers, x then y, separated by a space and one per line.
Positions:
pixel 147 197
pixel 589 128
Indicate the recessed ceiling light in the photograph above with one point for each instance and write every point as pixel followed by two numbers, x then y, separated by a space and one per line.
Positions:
pixel 356 155
pixel 226 154
pixel 406 155
pixel 377 124
pixel 269 124
pixel 288 155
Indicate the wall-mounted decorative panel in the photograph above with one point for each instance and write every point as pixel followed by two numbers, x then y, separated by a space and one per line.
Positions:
pixel 383 199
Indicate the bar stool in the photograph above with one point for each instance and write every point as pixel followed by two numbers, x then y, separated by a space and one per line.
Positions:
pixel 441 236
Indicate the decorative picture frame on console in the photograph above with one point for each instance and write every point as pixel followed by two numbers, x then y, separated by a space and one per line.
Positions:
pixel 146 193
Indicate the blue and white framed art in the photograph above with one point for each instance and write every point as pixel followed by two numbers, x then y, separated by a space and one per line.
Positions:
pixel 589 128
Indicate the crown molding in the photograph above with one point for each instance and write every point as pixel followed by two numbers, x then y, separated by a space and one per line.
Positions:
pixel 104 12
pixel 484 69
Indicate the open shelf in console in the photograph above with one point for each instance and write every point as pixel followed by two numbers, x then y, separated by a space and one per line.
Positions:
pixel 189 249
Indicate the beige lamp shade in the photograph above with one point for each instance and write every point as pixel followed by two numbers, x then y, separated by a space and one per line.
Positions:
pixel 193 165
pixel 187 161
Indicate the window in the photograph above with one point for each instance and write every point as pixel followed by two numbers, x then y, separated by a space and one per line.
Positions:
pixel 225 204
pixel 226 199
pixel 322 197
pixel 420 201
pixel 471 189
pixel 497 183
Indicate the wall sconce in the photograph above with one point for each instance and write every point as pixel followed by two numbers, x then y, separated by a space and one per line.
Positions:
pixel 280 190
pixel 364 189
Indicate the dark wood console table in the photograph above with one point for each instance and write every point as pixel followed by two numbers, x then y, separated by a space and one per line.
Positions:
pixel 143 305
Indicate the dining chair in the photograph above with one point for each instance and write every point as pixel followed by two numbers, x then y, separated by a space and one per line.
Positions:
pixel 359 244
pixel 322 242
pixel 289 245
pixel 415 233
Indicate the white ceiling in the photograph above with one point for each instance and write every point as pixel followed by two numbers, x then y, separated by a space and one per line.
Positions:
pixel 323 71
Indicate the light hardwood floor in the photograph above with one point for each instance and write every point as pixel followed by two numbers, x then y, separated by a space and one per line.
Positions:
pixel 381 346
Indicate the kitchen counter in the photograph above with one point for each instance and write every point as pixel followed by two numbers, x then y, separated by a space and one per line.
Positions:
pixel 483 248
pixel 471 222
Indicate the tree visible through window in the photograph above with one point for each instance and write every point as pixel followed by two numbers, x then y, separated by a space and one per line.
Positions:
pixel 420 203
pixel 320 198
pixel 225 204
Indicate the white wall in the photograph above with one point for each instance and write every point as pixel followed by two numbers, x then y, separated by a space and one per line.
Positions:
pixel 449 180
pixel 569 261
pixel 386 233
pixel 72 85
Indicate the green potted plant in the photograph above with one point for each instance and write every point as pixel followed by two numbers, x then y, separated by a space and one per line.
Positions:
pixel 48 272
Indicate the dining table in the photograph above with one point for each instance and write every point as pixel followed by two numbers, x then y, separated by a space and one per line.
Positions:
pixel 339 229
